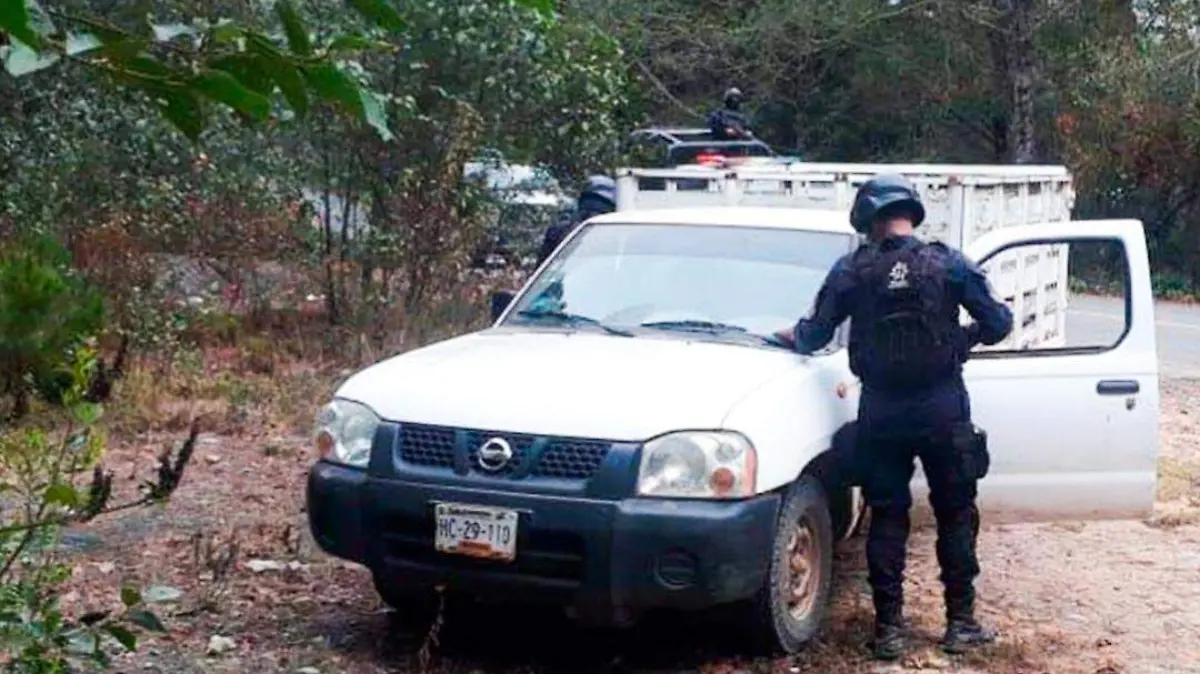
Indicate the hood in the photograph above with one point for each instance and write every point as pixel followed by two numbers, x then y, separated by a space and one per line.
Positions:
pixel 574 384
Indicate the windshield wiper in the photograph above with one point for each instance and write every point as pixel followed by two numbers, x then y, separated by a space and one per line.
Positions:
pixel 712 328
pixel 694 326
pixel 573 319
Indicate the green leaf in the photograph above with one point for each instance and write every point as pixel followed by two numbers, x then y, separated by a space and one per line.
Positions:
pixel 185 110
pixel 113 36
pixel 297 34
pixel 222 87
pixel 381 14
pixel 147 620
pixel 262 45
pixel 358 43
pixel 291 83
pixel 62 494
pixel 161 593
pixel 165 32
pixel 123 636
pixel 250 70
pixel 225 31
pixel 78 43
pixel 543 7
pixel 148 65
pixel 120 50
pixel 87 413
pixel 130 596
pixel 376 114
pixel 15 20
pixel 22 60
pixel 332 84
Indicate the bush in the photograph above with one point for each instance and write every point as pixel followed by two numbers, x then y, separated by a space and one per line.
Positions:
pixel 51 477
pixel 46 311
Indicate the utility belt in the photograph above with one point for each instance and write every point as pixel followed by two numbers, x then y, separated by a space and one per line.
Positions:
pixel 968 442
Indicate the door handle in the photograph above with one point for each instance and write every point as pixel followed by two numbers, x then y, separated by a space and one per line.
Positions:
pixel 1117 387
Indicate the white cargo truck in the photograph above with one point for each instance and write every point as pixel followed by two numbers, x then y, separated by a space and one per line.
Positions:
pixel 962 202
pixel 624 438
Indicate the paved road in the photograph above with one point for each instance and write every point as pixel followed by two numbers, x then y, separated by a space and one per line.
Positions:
pixel 1099 320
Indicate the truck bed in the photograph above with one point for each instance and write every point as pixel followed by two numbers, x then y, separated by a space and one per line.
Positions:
pixel 962 203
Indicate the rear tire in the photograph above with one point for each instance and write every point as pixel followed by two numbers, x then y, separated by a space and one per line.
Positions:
pixel 791 607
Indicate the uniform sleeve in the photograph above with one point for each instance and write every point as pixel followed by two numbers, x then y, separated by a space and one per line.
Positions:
pixel 830 309
pixel 554 236
pixel 993 320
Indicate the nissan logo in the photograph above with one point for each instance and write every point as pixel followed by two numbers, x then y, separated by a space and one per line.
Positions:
pixel 494 454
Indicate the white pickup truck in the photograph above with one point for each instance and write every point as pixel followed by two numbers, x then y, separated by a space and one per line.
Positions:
pixel 604 447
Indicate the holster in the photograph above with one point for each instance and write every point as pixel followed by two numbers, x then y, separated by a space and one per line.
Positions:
pixel 969 443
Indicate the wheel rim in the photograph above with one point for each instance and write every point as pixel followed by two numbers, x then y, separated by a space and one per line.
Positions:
pixel 801 569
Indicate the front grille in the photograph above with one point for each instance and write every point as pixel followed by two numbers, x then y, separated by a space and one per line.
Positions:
pixel 571 459
pixel 560 458
pixel 427 445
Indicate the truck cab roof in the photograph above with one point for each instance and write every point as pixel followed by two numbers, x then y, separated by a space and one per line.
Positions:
pixel 808 219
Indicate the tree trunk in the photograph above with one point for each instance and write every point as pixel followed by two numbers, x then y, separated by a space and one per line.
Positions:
pixel 1022 74
pixel 1015 68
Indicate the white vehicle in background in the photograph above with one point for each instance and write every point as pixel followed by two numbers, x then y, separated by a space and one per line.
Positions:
pixel 623 438
pixel 527 200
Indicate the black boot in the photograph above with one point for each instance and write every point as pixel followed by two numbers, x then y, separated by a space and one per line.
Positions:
pixel 891 639
pixel 965 633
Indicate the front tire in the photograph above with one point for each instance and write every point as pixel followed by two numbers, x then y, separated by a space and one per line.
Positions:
pixel 791 607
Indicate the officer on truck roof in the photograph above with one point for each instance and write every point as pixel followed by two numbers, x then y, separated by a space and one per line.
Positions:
pixel 728 122
pixel 907 346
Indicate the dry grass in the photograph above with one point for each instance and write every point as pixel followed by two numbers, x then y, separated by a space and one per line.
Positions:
pixel 165 397
pixel 1179 467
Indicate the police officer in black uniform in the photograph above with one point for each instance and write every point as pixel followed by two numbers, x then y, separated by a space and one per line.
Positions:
pixel 729 123
pixel 599 196
pixel 907 347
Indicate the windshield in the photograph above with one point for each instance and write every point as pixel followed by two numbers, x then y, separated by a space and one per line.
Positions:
pixel 684 277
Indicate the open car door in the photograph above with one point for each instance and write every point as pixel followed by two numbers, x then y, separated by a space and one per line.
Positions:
pixel 1073 424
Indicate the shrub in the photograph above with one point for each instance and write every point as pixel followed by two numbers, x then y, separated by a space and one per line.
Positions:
pixel 46 311
pixel 50 477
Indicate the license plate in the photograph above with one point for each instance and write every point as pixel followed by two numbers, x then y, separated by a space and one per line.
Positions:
pixel 476 531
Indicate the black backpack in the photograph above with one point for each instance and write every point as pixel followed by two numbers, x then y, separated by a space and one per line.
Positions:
pixel 905 333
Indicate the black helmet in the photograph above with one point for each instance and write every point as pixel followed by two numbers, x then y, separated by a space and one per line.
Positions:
pixel 891 192
pixel 601 187
pixel 733 96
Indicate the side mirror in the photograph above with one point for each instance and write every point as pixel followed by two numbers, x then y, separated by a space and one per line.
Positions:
pixel 500 300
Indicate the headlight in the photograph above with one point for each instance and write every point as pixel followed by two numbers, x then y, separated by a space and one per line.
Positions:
pixel 698 464
pixel 345 431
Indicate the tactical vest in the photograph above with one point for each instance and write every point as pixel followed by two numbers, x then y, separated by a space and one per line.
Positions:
pixel 904 332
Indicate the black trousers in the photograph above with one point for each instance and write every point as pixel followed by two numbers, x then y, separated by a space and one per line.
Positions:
pixel 886 468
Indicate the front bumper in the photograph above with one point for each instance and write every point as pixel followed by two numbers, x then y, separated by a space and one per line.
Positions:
pixel 609 558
